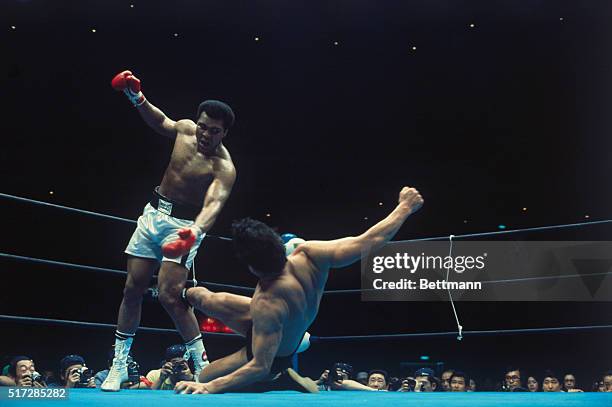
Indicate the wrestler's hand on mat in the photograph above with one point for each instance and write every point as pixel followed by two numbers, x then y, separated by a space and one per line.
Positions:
pixel 182 245
pixel 191 388
pixel 130 85
pixel 412 198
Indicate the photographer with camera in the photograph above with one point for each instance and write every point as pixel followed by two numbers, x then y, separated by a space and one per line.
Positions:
pixel 174 369
pixel 331 379
pixel 22 373
pixel 338 377
pixel 406 384
pixel 75 373
pixel 425 380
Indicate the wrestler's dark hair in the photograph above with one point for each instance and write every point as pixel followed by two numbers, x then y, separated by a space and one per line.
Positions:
pixel 259 246
pixel 217 110
pixel 459 373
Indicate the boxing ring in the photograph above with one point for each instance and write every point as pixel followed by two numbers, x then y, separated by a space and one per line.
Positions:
pixel 95 397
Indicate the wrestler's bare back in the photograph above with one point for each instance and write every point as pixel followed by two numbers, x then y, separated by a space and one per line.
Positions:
pixel 298 292
pixel 190 171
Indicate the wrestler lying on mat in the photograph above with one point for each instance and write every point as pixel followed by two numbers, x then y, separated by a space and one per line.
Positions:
pixel 285 302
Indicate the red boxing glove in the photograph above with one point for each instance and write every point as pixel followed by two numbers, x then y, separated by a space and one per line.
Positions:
pixel 181 246
pixel 146 381
pixel 130 85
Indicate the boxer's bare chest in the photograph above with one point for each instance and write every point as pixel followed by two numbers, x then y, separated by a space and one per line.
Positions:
pixel 189 172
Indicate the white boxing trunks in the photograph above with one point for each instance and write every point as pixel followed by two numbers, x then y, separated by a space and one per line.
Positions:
pixel 159 224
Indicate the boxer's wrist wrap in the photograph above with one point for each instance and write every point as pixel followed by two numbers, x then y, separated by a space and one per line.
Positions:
pixel 137 99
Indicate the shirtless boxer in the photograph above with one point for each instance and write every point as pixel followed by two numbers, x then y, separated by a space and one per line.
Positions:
pixel 195 186
pixel 285 302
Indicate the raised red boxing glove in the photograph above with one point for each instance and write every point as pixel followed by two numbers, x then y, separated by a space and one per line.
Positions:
pixel 181 246
pixel 130 85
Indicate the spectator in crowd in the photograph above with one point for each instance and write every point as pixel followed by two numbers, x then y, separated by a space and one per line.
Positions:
pixel 532 384
pixel 425 380
pixel 607 381
pixel 445 379
pixel 362 377
pixel 323 381
pixel 551 382
pixel 407 384
pixel 340 379
pixel 598 386
pixel 5 376
pixel 337 380
pixel 75 373
pixel 22 372
pixel 394 384
pixel 569 382
pixel 378 379
pixel 459 381
pixel 512 379
pixel 174 369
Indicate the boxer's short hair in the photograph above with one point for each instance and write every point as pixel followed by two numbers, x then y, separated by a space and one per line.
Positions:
pixel 215 109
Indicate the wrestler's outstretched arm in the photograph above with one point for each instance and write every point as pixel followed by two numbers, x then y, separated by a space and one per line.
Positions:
pixel 156 119
pixel 268 317
pixel 343 252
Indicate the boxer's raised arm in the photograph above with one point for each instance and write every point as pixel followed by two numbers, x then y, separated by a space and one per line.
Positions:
pixel 162 124
pixel 343 252
pixel 156 119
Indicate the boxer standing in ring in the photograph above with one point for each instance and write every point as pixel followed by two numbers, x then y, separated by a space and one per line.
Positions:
pixel 195 186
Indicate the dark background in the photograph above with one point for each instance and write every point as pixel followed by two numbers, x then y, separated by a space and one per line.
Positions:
pixel 483 120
